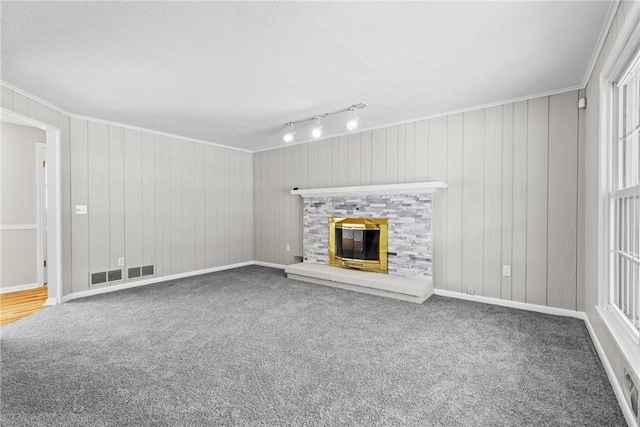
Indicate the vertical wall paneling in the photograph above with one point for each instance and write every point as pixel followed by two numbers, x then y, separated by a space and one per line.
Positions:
pixel 133 221
pixel 343 162
pixel 312 171
pixel 402 153
pixel 33 109
pixel 507 196
pixel 580 222
pixel 391 155
pixel 421 151
pixel 176 206
pixel 438 172
pixel 79 196
pixel 563 184
pixel 211 212
pixel 537 192
pixel 7 98
pixel 20 104
pixel 98 196
pixel 493 202
pixel 159 218
pixel 266 224
pixel 323 173
pixel 280 190
pixel 66 210
pixel 272 225
pixel 353 158
pixel 200 236
pixel 116 195
pixel 226 203
pixel 286 206
pixel 366 148
pixel 519 218
pixel 378 158
pixel 167 207
pixel 247 174
pixel 473 201
pixel 188 206
pixel 455 125
pixel 148 161
pixel 409 146
pixel 335 162
pixel 296 203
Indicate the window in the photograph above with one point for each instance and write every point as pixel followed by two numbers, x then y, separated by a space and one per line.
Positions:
pixel 624 200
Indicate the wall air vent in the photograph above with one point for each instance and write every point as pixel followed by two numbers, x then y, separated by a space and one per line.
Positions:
pixel 97 278
pixel 115 275
pixel 147 270
pixel 133 272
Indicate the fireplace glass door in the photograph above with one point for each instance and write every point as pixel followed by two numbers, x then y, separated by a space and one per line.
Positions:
pixel 356 243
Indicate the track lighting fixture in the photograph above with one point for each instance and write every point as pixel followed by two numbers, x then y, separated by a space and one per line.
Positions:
pixel 288 137
pixel 316 132
pixel 353 123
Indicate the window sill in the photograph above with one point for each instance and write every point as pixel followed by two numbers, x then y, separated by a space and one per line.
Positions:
pixel 629 347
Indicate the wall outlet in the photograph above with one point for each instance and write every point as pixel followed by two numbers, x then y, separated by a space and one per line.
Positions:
pixel 120 262
pixel 631 392
pixel 81 209
pixel 506 270
pixel 288 247
pixel 470 290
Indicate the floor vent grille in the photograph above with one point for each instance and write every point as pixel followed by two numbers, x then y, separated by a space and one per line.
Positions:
pixel 147 270
pixel 133 272
pixel 97 278
pixel 114 275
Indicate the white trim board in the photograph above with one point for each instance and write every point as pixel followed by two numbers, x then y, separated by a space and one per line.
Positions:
pixel 513 304
pixel 368 190
pixel 18 288
pixel 135 284
pixel 270 265
pixel 19 227
pixel 615 384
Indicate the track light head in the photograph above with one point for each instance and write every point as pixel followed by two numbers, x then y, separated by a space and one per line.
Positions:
pixel 288 137
pixel 316 132
pixel 353 123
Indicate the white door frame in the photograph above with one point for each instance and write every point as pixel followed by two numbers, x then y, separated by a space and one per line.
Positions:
pixel 54 204
pixel 41 156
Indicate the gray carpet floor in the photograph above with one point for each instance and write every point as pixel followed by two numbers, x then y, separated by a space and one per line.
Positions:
pixel 250 347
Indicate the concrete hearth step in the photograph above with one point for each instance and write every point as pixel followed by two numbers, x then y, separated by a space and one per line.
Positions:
pixel 398 287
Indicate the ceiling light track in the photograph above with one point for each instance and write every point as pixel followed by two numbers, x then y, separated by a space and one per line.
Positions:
pixel 316 132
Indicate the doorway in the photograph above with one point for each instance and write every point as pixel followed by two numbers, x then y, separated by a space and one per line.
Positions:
pixel 48 156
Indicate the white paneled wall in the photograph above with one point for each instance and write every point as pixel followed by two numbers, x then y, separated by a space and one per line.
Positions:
pixel 512 196
pixel 152 199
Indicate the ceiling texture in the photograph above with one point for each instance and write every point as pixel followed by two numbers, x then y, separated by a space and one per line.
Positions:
pixel 233 73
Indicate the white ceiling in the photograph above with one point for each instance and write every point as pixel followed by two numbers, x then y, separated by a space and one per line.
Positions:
pixel 234 73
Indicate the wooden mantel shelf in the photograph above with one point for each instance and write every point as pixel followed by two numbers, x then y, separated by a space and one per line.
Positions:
pixel 366 190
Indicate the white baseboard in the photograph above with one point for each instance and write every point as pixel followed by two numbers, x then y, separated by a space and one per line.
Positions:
pixel 270 264
pixel 51 301
pixel 129 285
pixel 513 304
pixel 617 388
pixel 19 288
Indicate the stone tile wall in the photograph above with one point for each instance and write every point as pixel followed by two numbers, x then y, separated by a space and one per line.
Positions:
pixel 409 219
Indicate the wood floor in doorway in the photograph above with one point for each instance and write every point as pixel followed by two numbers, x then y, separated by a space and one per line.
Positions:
pixel 17 305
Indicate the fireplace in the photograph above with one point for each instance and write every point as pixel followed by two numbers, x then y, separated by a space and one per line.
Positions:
pixel 359 243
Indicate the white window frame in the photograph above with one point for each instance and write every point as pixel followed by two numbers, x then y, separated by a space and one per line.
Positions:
pixel 622 57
